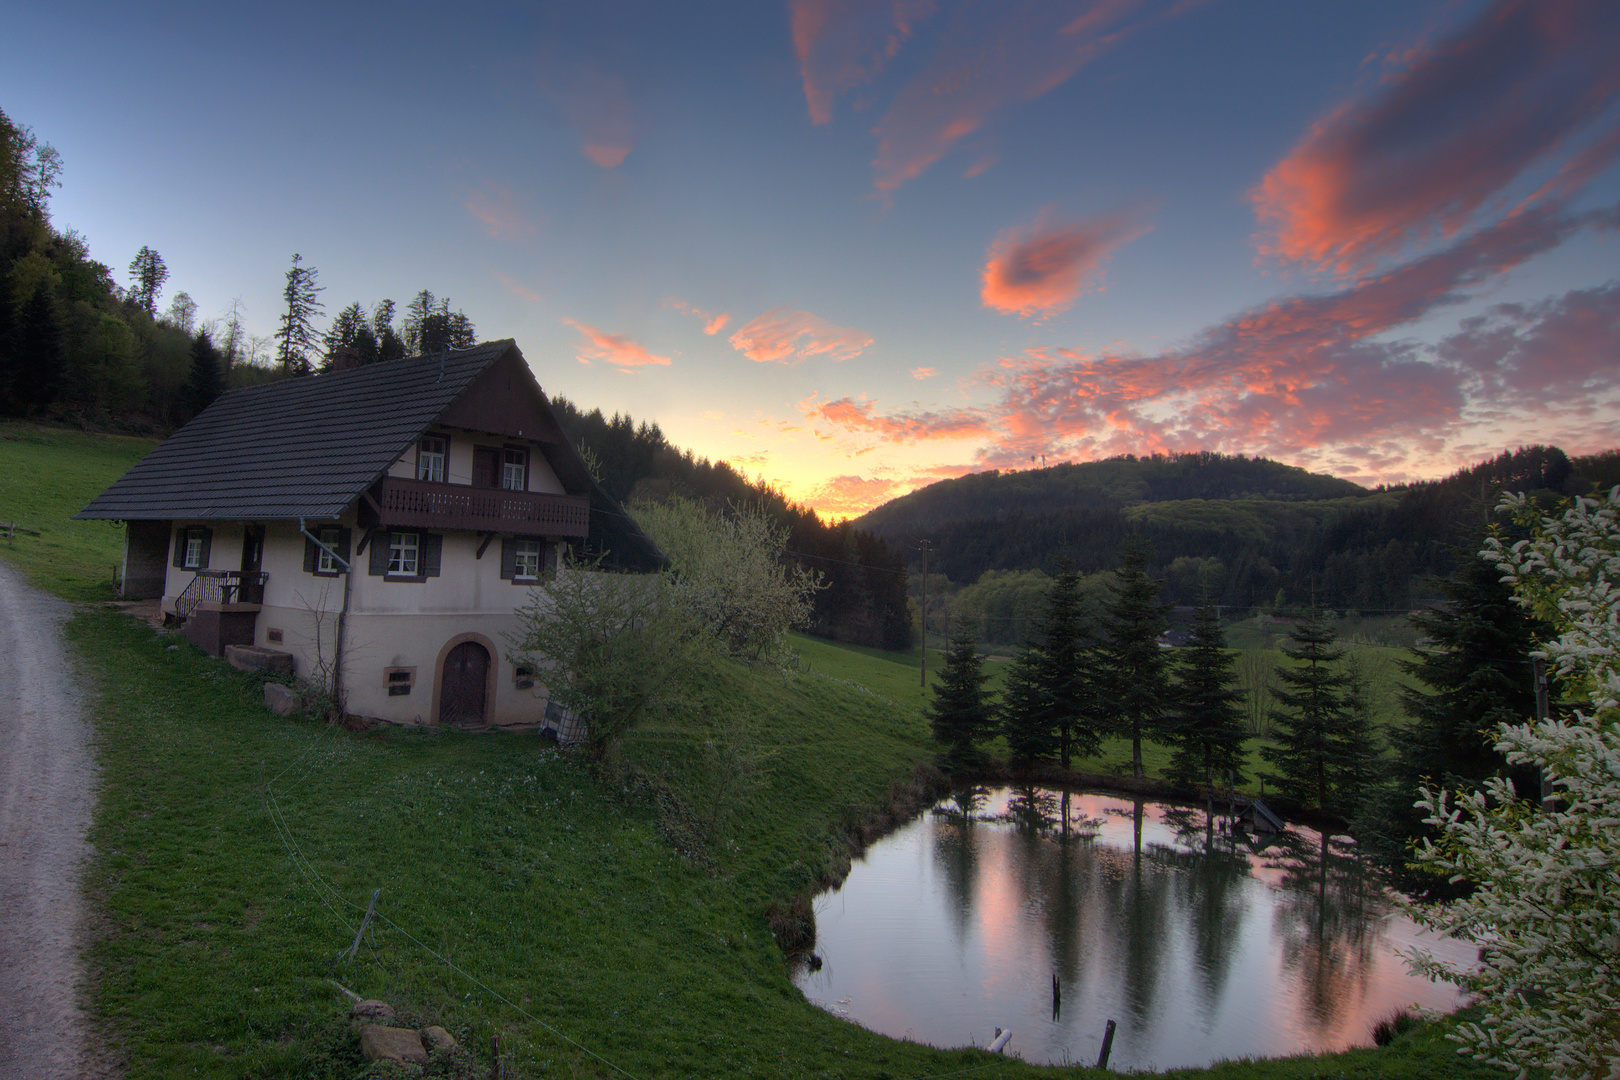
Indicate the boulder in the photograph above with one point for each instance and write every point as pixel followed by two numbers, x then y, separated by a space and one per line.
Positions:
pixel 281 700
pixel 378 1043
pixel 259 658
pixel 440 1040
pixel 373 1010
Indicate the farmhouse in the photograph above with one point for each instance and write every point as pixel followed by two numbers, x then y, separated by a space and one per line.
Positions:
pixel 379 526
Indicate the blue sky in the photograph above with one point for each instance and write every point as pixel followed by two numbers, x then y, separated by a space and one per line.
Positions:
pixel 1373 239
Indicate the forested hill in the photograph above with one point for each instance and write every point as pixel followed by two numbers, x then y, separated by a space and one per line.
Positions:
pixel 1115 482
pixel 865 598
pixel 1259 534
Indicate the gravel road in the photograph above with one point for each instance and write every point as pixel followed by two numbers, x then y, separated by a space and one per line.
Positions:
pixel 47 792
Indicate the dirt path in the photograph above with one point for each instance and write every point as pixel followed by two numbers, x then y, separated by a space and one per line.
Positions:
pixel 47 784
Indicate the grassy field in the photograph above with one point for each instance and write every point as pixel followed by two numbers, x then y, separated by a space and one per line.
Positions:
pixel 604 920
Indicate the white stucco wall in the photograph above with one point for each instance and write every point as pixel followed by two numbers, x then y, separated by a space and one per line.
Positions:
pixel 458 470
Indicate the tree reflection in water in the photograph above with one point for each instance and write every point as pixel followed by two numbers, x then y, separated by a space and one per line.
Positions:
pixel 957 854
pixel 1209 889
pixel 1329 921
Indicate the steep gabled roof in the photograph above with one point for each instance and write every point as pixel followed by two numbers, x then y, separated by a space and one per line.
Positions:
pixel 298 448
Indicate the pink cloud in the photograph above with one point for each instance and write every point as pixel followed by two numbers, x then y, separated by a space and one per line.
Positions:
pixel 923 373
pixel 598 103
pixel 1422 154
pixel 501 216
pixel 1314 377
pixel 850 415
pixel 787 337
pixel 516 287
pixel 615 350
pixel 717 324
pixel 712 323
pixel 842 44
pixel 850 496
pixel 1044 268
pixel 993 56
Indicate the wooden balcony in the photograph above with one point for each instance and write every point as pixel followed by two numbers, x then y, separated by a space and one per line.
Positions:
pixel 422 504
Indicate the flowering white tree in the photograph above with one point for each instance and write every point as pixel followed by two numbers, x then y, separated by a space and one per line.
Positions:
pixel 1546 908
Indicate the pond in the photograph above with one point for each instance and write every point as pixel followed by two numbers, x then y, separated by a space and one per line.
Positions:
pixel 1202 941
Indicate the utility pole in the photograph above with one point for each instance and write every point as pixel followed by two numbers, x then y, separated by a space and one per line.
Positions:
pixel 924 682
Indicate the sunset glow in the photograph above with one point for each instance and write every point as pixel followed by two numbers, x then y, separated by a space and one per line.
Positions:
pixel 855 247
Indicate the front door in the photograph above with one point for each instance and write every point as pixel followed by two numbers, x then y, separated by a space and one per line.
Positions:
pixel 463 686
pixel 252 591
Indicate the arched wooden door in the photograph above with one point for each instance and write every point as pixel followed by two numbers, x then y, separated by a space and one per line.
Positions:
pixel 464 684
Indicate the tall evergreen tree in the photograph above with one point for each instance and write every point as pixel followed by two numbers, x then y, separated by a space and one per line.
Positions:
pixel 422 305
pixel 1026 711
pixel 207 379
pixel 389 345
pixel 147 273
pixel 1308 730
pixel 297 336
pixel 344 333
pixel 962 715
pixel 1206 721
pixel 1052 688
pixel 37 352
pixel 1137 671
pixel 1476 666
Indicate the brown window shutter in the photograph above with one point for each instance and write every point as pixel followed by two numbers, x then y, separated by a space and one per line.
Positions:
pixel 180 547
pixel 312 555
pixel 508 558
pixel 549 554
pixel 486 467
pixel 343 544
pixel 432 544
pixel 208 543
pixel 379 553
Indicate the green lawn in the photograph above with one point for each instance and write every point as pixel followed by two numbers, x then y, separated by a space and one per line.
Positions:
pixel 605 920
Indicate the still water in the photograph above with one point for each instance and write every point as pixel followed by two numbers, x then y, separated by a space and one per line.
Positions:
pixel 1202 942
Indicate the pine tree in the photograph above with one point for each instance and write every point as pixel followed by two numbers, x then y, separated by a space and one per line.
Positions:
pixel 1360 744
pixel 961 715
pixel 344 333
pixel 1308 729
pixel 1477 666
pixel 1052 688
pixel 1137 670
pixel 37 352
pixel 147 274
pixel 207 379
pixel 1206 722
pixel 297 334
pixel 389 344
pixel 1026 712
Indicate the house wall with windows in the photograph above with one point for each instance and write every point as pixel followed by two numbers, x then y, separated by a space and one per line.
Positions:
pixel 452 456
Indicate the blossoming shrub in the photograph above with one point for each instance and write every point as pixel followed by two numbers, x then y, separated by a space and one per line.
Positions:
pixel 1546 910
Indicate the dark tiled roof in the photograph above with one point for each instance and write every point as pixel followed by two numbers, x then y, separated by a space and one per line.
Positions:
pixel 296 448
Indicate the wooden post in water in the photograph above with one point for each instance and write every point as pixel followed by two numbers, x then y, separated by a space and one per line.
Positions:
pixel 1001 1040
pixel 1107 1046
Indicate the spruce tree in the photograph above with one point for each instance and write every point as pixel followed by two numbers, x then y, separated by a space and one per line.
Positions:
pixel 297 333
pixel 37 363
pixel 1308 749
pixel 1026 711
pixel 1476 666
pixel 207 379
pixel 1206 721
pixel 1137 671
pixel 147 273
pixel 961 715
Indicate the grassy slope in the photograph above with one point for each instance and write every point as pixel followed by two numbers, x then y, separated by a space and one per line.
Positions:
pixel 526 873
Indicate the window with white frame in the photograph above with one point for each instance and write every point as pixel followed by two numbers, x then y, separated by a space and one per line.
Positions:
pixel 430 453
pixel 194 547
pixel 514 469
pixel 526 556
pixel 403 549
pixel 330 536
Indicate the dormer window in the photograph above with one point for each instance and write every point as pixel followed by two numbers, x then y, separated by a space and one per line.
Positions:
pixel 515 469
pixel 430 455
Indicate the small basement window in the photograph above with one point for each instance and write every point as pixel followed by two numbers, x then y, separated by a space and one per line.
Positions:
pixel 402 554
pixel 400 680
pixel 523 677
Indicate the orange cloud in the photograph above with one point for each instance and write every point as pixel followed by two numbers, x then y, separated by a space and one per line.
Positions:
pixel 1043 269
pixel 850 496
pixel 787 337
pixel 923 373
pixel 499 212
pixel 992 57
pixel 1421 155
pixel 854 416
pixel 516 288
pixel 712 323
pixel 841 44
pixel 717 324
pixel 615 350
pixel 598 103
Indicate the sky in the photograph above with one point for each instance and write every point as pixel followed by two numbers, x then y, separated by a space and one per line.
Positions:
pixel 857 246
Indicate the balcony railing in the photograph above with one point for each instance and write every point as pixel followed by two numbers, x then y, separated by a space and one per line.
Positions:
pixel 422 504
pixel 220 587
